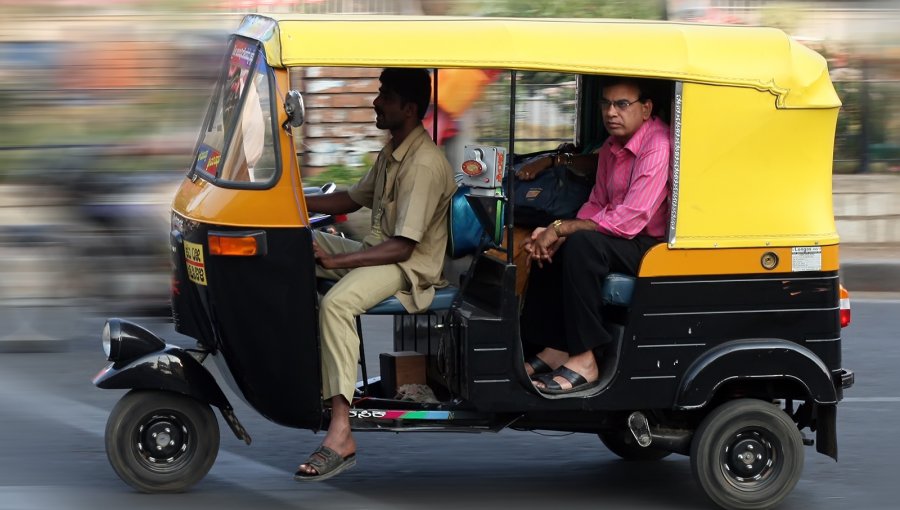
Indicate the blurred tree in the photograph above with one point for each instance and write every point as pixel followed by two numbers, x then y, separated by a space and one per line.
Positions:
pixel 623 9
pixel 630 9
pixel 786 17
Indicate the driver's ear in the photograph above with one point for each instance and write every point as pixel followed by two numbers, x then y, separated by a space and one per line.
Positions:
pixel 410 108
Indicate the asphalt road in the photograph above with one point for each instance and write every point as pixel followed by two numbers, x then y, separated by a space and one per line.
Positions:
pixel 52 454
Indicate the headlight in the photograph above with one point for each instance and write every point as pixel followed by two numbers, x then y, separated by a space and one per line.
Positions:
pixel 105 340
pixel 125 341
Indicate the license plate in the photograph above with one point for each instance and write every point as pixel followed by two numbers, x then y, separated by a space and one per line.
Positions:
pixel 193 257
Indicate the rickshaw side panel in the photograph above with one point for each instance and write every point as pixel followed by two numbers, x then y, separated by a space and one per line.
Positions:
pixel 675 321
pixel 746 163
pixel 263 313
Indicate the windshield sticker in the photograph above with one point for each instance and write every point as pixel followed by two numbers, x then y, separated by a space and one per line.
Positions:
pixel 203 156
pixel 242 55
pixel 193 257
pixel 238 71
pixel 212 166
pixel 806 258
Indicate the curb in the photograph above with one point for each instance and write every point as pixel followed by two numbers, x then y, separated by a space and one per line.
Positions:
pixel 32 345
pixel 870 275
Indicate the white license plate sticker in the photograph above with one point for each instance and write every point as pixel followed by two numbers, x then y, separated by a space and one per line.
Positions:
pixel 806 258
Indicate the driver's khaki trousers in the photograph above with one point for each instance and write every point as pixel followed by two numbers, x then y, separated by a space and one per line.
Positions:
pixel 356 291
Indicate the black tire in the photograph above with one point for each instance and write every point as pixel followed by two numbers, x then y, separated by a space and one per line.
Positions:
pixel 622 443
pixel 747 454
pixel 159 441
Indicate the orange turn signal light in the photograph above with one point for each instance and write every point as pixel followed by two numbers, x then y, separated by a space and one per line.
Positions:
pixel 235 246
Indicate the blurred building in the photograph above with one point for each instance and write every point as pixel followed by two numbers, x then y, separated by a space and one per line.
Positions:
pixel 862 44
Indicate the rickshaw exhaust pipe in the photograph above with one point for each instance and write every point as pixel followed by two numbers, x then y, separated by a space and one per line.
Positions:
pixel 673 440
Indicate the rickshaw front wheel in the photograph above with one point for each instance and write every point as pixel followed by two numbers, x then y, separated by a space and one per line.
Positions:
pixel 622 443
pixel 747 454
pixel 159 441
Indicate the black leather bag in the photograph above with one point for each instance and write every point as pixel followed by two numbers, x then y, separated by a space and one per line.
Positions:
pixel 556 193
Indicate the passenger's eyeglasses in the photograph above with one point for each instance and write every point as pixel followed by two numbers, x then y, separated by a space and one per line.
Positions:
pixel 620 105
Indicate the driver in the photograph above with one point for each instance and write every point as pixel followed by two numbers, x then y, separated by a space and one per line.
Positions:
pixel 409 190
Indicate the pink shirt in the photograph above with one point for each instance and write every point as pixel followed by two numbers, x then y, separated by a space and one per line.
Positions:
pixel 624 210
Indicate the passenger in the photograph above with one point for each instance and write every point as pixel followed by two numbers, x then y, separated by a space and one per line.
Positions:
pixel 409 190
pixel 624 216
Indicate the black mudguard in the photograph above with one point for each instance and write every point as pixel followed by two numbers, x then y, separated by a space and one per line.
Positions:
pixel 756 359
pixel 170 369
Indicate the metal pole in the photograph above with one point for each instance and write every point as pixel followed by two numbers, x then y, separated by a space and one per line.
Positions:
pixel 434 110
pixel 510 239
pixel 864 132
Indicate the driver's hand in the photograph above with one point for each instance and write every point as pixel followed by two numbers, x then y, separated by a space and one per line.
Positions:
pixel 322 257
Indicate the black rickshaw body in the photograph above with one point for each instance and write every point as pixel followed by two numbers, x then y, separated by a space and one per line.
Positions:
pixel 741 304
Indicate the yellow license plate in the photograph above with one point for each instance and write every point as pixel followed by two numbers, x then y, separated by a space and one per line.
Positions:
pixel 193 256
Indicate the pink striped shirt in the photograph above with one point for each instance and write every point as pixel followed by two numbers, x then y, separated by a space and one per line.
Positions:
pixel 624 210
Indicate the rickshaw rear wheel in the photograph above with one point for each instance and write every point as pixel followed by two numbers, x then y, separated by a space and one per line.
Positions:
pixel 622 443
pixel 159 441
pixel 747 454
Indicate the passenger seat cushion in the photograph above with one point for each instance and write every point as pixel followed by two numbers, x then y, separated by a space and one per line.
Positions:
pixel 618 289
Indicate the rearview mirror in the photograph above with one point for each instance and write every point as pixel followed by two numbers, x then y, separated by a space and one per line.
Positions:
pixel 293 106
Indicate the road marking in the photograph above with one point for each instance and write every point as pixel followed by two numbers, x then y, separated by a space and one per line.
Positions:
pixel 872 399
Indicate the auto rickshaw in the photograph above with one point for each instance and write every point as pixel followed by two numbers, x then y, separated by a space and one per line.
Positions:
pixel 728 340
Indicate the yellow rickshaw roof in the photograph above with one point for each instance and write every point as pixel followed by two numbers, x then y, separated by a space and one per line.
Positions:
pixel 762 58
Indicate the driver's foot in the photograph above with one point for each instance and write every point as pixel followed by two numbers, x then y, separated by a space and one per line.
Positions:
pixel 345 447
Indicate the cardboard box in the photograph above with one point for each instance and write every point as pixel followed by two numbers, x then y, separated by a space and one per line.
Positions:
pixel 399 368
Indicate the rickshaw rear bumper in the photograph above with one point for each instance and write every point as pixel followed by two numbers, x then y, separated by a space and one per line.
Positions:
pixel 844 378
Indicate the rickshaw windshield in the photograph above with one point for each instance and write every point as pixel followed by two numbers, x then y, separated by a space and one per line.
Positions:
pixel 237 147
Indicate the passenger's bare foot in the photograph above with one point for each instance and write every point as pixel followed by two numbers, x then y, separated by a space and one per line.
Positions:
pixel 583 364
pixel 551 358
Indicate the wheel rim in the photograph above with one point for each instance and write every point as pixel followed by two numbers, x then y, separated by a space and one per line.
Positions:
pixel 750 459
pixel 163 441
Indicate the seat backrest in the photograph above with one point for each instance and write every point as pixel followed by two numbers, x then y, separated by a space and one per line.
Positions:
pixel 464 229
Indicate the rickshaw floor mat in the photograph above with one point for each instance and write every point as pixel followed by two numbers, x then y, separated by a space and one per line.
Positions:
pixel 327 463
pixel 578 382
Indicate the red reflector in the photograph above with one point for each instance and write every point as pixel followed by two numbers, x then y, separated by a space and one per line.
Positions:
pixel 845 307
pixel 235 246
pixel 340 218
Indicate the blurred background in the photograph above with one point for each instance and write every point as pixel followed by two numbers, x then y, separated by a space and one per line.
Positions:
pixel 102 102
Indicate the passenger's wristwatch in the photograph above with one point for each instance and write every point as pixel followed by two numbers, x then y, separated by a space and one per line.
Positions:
pixel 555 226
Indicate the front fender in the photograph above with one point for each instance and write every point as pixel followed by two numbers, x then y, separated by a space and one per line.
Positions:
pixel 754 359
pixel 170 369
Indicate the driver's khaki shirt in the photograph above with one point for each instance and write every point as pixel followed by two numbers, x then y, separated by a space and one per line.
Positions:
pixel 409 190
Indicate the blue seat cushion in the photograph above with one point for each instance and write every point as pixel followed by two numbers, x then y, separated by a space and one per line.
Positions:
pixel 443 298
pixel 617 289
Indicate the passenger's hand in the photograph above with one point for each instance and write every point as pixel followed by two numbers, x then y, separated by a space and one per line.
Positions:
pixel 528 246
pixel 545 245
pixel 542 245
